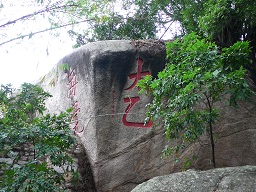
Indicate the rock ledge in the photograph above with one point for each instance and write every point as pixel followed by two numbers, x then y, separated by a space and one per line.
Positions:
pixel 221 180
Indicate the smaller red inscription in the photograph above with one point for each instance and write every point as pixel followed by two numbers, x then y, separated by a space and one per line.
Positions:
pixel 71 93
pixel 113 103
pixel 72 83
pixel 75 118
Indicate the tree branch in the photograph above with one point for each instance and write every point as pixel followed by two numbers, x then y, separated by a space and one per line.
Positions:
pixel 211 132
pixel 166 30
pixel 42 31
pixel 47 9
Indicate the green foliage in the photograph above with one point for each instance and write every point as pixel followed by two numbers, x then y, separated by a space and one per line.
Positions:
pixel 226 21
pixel 198 75
pixel 223 22
pixel 141 25
pixel 47 137
pixel 65 67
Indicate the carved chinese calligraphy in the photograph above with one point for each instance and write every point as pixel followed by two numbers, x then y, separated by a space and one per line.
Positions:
pixel 113 103
pixel 72 82
pixel 133 100
pixel 137 76
pixel 75 116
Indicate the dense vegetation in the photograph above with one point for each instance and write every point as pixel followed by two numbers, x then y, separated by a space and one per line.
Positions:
pixel 197 76
pixel 46 138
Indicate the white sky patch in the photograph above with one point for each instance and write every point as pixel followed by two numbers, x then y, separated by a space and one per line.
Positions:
pixel 29 59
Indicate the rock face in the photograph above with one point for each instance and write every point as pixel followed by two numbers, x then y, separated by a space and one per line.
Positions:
pixel 99 82
pixel 234 179
pixel 234 135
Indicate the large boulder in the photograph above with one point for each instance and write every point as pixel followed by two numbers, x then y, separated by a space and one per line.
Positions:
pixel 99 81
pixel 236 179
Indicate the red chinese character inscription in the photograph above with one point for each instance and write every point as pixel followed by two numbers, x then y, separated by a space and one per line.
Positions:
pixel 113 103
pixel 137 76
pixel 75 118
pixel 133 100
pixel 71 93
pixel 72 83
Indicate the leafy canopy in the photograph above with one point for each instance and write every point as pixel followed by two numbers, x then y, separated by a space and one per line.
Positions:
pixel 225 21
pixel 198 74
pixel 47 138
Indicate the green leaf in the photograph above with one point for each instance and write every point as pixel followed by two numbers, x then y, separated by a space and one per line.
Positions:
pixel 215 73
pixel 65 67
